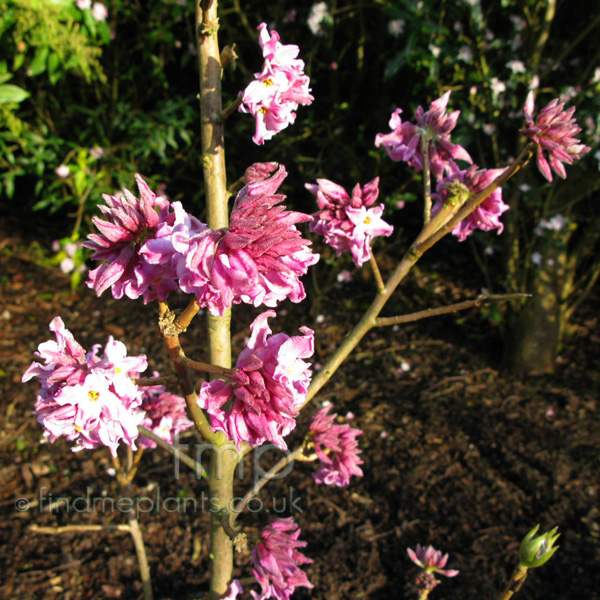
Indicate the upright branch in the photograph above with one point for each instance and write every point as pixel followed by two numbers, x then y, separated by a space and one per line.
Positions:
pixel 219 337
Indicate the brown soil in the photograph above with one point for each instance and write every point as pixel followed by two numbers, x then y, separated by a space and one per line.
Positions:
pixel 457 454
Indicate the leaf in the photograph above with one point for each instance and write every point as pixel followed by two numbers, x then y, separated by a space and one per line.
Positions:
pixel 38 64
pixel 80 181
pixel 12 94
pixel 53 62
pixel 18 61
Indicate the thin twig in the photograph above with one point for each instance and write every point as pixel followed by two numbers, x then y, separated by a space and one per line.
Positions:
pixel 281 464
pixel 122 528
pixel 140 549
pixel 152 381
pixel 187 460
pixel 517 580
pixel 205 367
pixel 230 109
pixel 183 321
pixel 185 381
pixel 414 253
pixel 426 180
pixel 444 310
pixel 376 272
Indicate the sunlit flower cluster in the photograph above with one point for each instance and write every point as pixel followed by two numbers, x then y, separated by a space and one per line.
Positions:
pixel 149 248
pixel 348 223
pixel 90 399
pixel 277 91
pixel 432 128
pixel 554 130
pixel 337 448
pixel 277 561
pixel 267 390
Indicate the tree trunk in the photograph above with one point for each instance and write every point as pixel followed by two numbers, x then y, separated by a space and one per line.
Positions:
pixel 536 330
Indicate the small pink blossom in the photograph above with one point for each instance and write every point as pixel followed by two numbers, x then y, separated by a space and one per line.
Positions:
pixel 487 215
pixel 277 561
pixel 99 11
pixel 268 389
pixel 554 131
pixel 405 142
pixel 344 276
pixel 431 560
pixel 165 415
pixel 234 590
pixel 336 447
pixel 348 223
pixel 62 171
pixel 83 4
pixel 97 152
pixel 278 89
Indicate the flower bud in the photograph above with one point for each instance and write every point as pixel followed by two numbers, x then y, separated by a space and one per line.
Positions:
pixel 458 192
pixel 537 550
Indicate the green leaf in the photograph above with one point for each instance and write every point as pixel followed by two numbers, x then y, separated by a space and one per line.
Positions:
pixel 12 94
pixel 38 64
pixel 9 186
pixel 80 182
pixel 18 61
pixel 53 62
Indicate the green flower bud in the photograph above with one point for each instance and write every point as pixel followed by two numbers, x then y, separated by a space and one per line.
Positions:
pixel 537 550
pixel 458 193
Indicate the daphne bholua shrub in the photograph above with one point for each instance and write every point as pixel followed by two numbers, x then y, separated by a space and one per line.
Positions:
pixel 148 248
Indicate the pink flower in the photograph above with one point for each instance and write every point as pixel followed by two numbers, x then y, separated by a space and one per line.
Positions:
pixel 165 415
pixel 62 171
pixel 99 11
pixel 259 260
pixel 434 127
pixel 277 561
pixel 267 390
pixel 431 560
pixel 130 223
pixel 87 398
pixel 278 89
pixel 346 222
pixel 83 4
pixel 554 131
pixel 487 215
pixel 337 448
pixel 65 360
pixel 234 590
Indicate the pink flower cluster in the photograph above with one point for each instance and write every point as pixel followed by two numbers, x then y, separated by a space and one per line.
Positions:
pixel 348 222
pixel 277 561
pixel 554 131
pixel 130 223
pixel 267 390
pixel 150 248
pixel 165 415
pixel 87 398
pixel 278 89
pixel 337 448
pixel 433 127
pixel 431 560
pixel 487 215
